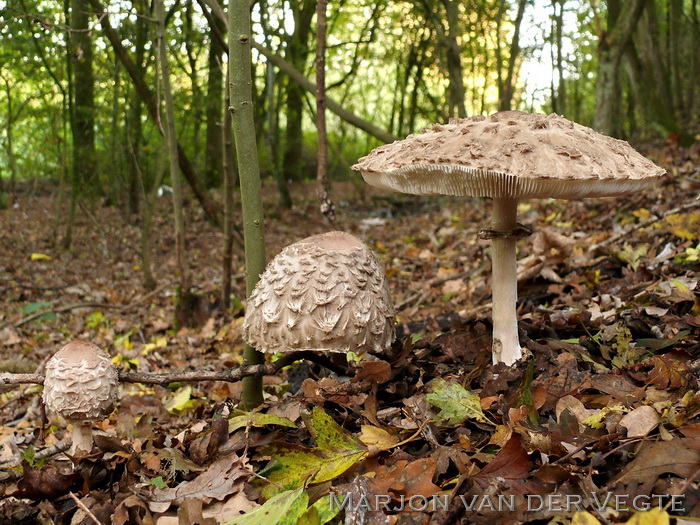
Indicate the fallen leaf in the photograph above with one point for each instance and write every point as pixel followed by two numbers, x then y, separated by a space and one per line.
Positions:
pixel 256 419
pixel 455 403
pixel 336 451
pixel 222 478
pixel 286 507
pixel 640 421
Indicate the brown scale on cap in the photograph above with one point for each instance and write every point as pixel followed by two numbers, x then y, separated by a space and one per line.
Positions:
pixel 80 386
pixel 325 293
pixel 508 156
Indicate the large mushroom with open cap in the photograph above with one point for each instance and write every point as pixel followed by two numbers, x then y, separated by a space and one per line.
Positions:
pixel 509 156
pixel 80 386
pixel 324 293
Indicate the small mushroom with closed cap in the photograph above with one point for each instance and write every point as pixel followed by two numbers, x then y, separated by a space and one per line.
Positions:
pixel 509 156
pixel 80 386
pixel 325 293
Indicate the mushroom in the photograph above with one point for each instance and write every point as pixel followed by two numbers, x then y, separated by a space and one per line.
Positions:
pixel 509 156
pixel 80 386
pixel 324 293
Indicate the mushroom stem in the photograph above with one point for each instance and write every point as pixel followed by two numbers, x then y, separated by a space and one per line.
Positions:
pixel 506 346
pixel 82 438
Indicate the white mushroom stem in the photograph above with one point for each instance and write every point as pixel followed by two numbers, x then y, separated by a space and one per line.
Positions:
pixel 506 346
pixel 82 438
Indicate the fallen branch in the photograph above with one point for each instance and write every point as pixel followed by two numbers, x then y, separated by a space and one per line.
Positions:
pixel 75 306
pixel 47 452
pixel 610 240
pixel 163 379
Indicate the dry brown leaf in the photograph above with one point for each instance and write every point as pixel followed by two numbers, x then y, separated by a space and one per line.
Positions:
pixel 640 421
pixel 222 478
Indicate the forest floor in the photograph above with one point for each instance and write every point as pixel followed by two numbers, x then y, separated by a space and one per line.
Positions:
pixel 605 410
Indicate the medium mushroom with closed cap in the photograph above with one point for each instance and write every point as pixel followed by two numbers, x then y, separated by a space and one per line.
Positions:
pixel 324 293
pixel 509 156
pixel 80 386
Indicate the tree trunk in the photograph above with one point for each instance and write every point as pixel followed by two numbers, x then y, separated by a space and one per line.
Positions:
pixel 561 85
pixel 10 148
pixel 622 20
pixel 214 134
pixel 134 129
pixel 230 179
pixel 170 136
pixel 241 92
pixel 84 159
pixel 454 60
pixel 211 207
pixel 506 96
pixel 294 74
pixel 297 50
pixel 327 208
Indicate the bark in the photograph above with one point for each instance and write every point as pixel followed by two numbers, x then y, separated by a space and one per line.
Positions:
pixel 211 207
pixel 68 237
pixel 622 20
pixel 241 93
pixel 170 136
pixel 214 135
pixel 326 204
pixel 561 85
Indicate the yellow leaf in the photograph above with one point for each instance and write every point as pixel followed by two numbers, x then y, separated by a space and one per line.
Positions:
pixel 179 401
pixel 584 518
pixel 41 257
pixel 650 517
pixel 642 213
pixel 377 437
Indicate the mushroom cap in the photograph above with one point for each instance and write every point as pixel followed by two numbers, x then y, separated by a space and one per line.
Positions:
pixel 81 383
pixel 510 154
pixel 324 293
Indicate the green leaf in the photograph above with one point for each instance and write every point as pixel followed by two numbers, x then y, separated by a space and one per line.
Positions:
pixel 320 512
pixel 159 483
pixel 282 509
pixel 257 419
pixel 336 451
pixel 455 403
pixel 33 307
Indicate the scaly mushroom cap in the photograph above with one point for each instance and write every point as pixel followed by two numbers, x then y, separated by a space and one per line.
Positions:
pixel 510 154
pixel 80 383
pixel 326 293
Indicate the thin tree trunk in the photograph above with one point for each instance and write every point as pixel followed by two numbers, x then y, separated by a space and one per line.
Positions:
pixel 9 145
pixel 230 179
pixel 561 85
pixel 454 60
pixel 241 92
pixel 506 97
pixel 211 207
pixel 170 136
pixel 134 128
pixel 214 132
pixel 327 207
pixel 68 237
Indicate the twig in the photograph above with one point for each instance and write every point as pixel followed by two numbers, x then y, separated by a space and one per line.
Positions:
pixel 231 376
pixel 84 508
pixel 648 222
pixel 75 306
pixel 47 452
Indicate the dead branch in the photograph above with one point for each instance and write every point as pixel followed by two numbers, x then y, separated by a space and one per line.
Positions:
pixel 610 240
pixel 192 376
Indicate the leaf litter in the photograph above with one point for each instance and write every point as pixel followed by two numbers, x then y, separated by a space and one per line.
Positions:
pixel 608 404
